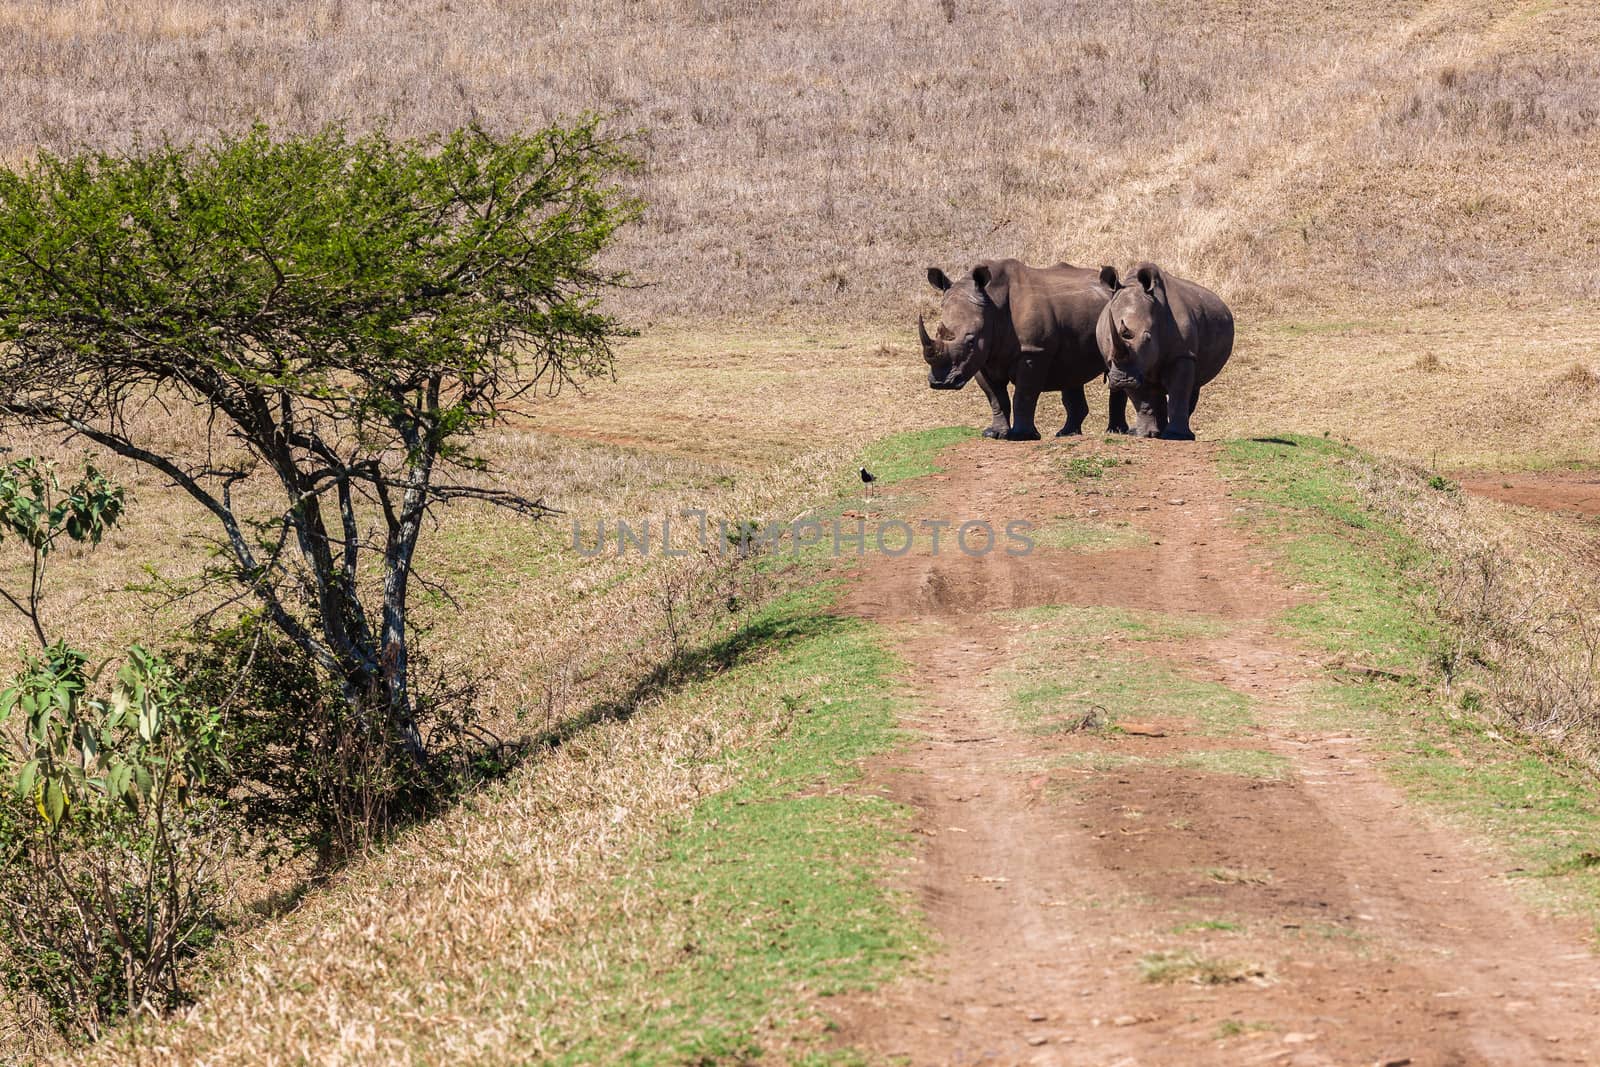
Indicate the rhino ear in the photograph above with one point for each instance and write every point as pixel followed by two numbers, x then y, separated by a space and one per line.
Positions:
pixel 937 279
pixel 980 276
pixel 1150 279
pixel 1109 279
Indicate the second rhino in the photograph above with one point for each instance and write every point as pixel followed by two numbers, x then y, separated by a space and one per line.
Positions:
pixel 1162 337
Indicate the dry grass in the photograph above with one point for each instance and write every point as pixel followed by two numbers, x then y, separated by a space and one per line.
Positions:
pixel 805 160
pixel 1489 386
pixel 437 949
pixel 1516 597
pixel 727 430
pixel 1576 377
pixel 1428 363
pixel 1378 185
pixel 549 635
pixel 1170 968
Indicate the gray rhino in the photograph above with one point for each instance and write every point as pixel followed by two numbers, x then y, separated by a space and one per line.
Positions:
pixel 1007 324
pixel 1161 338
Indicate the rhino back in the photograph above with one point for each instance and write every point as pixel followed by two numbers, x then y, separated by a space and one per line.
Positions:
pixel 1205 322
pixel 1054 310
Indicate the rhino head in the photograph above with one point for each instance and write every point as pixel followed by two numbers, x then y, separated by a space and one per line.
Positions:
pixel 1136 331
pixel 968 332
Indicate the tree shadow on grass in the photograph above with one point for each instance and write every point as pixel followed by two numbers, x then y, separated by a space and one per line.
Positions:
pixel 771 631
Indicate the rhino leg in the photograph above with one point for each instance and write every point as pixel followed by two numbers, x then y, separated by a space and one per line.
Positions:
pixel 1148 417
pixel 1077 406
pixel 999 404
pixel 1117 416
pixel 1182 394
pixel 1023 406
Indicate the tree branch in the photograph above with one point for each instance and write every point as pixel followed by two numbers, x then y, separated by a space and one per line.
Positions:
pixel 498 497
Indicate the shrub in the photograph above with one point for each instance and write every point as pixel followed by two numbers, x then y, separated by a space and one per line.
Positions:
pixel 304 769
pixel 36 509
pixel 110 852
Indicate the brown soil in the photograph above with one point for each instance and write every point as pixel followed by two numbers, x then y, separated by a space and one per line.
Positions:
pixel 1333 923
pixel 1574 493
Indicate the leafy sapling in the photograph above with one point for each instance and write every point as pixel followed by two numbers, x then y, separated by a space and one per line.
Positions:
pixel 39 513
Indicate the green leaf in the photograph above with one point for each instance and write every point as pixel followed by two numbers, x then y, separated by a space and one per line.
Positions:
pixel 55 803
pixel 119 706
pixel 118 780
pixel 26 778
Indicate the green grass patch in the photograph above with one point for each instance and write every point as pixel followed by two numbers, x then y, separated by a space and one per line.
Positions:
pixel 913 454
pixel 1078 536
pixel 1097 760
pixel 1545 811
pixel 770 892
pixel 852 511
pixel 1076 621
pixel 1064 685
pixel 1208 926
pixel 1360 564
pixel 1243 762
pixel 1079 468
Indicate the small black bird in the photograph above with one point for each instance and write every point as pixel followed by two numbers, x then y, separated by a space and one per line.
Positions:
pixel 867 477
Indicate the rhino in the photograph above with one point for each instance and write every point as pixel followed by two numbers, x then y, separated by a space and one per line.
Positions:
pixel 1007 325
pixel 1161 338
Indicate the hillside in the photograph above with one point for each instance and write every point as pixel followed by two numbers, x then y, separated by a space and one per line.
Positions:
pixel 806 160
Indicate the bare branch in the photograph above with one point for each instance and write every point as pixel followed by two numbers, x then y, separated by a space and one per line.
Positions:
pixel 498 497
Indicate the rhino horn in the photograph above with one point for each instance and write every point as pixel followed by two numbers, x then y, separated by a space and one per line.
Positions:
pixel 929 349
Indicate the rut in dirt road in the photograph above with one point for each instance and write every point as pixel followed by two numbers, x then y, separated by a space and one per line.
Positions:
pixel 1226 879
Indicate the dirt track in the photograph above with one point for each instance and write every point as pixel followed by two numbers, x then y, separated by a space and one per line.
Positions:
pixel 1575 493
pixel 1339 925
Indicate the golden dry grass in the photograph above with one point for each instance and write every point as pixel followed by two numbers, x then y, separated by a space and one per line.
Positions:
pixel 549 636
pixel 805 160
pixel 439 948
pixel 1451 387
pixel 1515 593
pixel 1490 386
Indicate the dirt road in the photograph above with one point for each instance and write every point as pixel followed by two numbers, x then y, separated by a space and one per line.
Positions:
pixel 1229 878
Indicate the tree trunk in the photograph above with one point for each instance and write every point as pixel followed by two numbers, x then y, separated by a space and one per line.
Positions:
pixel 398 555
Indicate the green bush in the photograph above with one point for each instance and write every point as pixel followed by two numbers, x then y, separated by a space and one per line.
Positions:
pixel 111 854
pixel 36 509
pixel 306 771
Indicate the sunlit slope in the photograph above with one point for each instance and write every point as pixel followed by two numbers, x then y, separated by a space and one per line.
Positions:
pixel 806 160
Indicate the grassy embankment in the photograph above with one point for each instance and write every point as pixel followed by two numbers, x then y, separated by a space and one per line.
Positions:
pixel 766 894
pixel 680 881
pixel 1440 739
